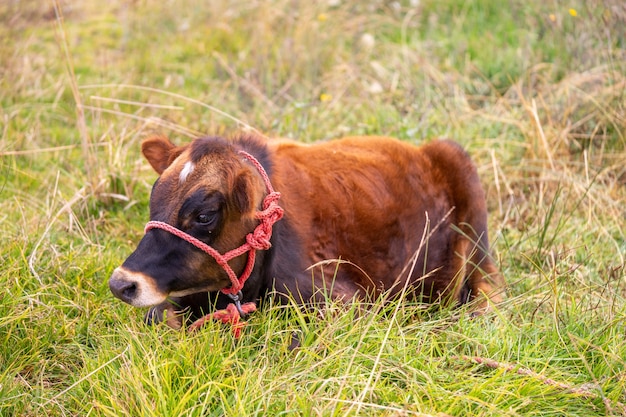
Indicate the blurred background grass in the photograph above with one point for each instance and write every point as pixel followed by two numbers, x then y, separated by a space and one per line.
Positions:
pixel 535 91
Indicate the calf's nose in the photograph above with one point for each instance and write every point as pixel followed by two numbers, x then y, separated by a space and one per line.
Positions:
pixel 121 287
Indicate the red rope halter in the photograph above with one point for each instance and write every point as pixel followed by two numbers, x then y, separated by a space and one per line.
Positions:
pixel 259 239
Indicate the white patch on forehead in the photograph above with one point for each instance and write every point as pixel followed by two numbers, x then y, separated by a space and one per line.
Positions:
pixel 187 169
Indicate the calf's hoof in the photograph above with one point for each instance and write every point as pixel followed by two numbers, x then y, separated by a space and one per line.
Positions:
pixel 165 313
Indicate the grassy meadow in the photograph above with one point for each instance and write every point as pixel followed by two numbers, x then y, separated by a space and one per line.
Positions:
pixel 535 90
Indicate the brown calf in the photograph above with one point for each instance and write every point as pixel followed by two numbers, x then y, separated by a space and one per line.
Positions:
pixel 362 216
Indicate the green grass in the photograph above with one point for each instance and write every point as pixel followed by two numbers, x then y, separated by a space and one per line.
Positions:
pixel 535 91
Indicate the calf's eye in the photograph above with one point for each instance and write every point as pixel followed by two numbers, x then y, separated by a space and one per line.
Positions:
pixel 205 218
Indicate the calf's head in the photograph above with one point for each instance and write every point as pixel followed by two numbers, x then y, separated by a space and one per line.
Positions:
pixel 206 190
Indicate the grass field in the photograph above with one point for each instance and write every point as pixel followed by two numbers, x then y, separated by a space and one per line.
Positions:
pixel 535 90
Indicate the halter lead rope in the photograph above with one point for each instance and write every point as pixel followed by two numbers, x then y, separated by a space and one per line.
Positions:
pixel 259 239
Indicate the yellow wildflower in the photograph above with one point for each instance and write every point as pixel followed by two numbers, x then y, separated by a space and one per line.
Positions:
pixel 573 12
pixel 325 97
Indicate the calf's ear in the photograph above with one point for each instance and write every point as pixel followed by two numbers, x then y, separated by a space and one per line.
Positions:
pixel 242 188
pixel 160 152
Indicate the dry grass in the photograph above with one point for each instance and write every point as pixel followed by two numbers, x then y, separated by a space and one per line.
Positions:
pixel 535 91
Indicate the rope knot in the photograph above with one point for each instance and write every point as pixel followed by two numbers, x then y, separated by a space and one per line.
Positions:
pixel 230 315
pixel 271 213
pixel 260 239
